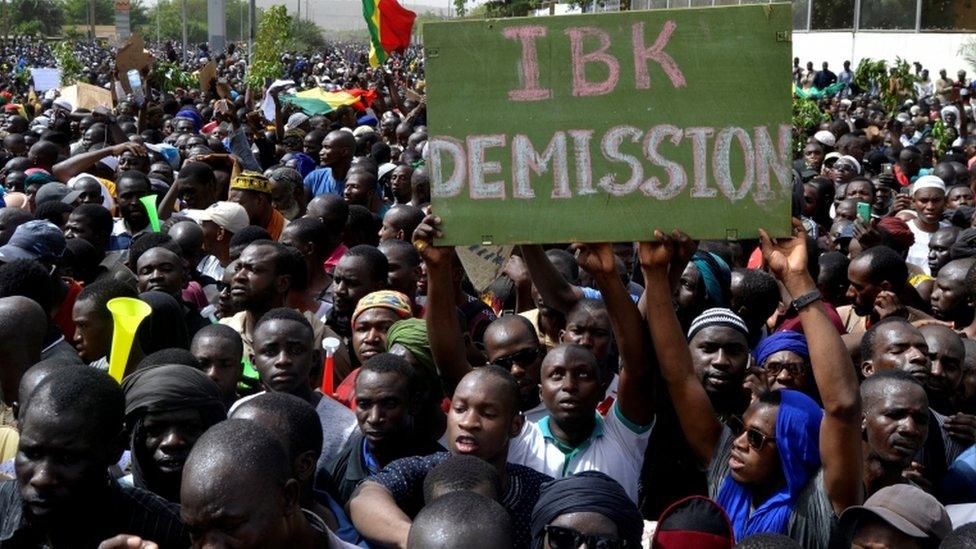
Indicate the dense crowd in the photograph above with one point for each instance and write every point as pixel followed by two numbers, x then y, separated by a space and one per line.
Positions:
pixel 317 372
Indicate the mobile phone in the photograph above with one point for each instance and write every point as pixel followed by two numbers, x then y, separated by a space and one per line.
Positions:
pixel 135 82
pixel 864 211
pixel 887 168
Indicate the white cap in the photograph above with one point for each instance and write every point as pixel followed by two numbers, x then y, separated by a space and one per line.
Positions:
pixel 928 182
pixel 385 169
pixel 825 137
pixel 230 216
pixel 295 120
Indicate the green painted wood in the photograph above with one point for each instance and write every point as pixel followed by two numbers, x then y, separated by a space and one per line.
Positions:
pixel 603 127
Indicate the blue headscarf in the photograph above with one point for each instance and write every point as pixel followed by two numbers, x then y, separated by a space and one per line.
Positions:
pixel 716 276
pixel 782 341
pixel 798 442
pixel 193 116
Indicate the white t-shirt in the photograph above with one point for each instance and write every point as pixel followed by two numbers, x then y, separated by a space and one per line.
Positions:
pixel 615 448
pixel 918 254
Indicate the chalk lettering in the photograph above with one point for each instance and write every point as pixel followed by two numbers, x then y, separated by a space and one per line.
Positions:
pixel 529 64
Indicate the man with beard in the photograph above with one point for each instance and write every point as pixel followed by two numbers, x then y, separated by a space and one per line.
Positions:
pixel 878 276
pixel 167 408
pixel 265 273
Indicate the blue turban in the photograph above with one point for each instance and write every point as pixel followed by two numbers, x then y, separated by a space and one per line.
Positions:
pixel 798 441
pixel 716 276
pixel 782 341
pixel 192 115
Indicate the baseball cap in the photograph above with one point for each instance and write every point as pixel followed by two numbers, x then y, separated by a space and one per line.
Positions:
pixel 230 216
pixel 52 191
pixel 906 508
pixel 37 239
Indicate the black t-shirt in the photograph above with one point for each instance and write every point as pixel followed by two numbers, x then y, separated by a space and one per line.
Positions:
pixel 404 478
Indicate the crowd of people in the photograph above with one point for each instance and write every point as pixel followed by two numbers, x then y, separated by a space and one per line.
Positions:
pixel 316 371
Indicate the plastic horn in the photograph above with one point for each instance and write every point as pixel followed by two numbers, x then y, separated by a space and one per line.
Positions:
pixel 330 344
pixel 127 314
pixel 149 202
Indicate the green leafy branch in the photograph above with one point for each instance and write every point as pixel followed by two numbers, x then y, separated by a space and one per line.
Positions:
pixel 274 33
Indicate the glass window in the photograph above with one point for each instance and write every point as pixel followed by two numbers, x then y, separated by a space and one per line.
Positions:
pixel 888 14
pixel 696 3
pixel 726 2
pixel 800 9
pixel 832 14
pixel 949 15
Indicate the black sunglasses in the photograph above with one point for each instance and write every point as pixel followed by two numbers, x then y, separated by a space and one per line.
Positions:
pixel 754 437
pixel 567 538
pixel 522 358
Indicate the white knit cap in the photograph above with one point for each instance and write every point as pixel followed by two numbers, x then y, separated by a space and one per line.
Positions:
pixel 928 182
pixel 825 137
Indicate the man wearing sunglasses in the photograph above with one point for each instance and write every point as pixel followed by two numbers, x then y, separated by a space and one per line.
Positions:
pixel 794 466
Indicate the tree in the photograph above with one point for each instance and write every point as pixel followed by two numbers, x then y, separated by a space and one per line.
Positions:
pixel 35 17
pixel 306 35
pixel 170 21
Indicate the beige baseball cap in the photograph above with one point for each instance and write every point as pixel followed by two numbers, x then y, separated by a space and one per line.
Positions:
pixel 230 216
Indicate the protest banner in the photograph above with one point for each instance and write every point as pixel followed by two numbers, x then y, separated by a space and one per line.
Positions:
pixel 603 127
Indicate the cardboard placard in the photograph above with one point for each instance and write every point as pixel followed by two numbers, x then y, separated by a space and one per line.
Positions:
pixel 87 96
pixel 207 75
pixel 483 264
pixel 603 127
pixel 132 55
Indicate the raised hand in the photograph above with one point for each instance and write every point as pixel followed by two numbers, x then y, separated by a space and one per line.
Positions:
pixel 596 258
pixel 423 238
pixel 656 255
pixel 787 257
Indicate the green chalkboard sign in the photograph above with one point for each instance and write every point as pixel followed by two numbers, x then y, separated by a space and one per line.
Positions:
pixel 602 127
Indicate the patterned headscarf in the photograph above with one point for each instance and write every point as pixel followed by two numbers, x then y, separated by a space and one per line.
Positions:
pixel 384 299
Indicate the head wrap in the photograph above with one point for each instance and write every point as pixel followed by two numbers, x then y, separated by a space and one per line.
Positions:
pixel 798 442
pixel 694 521
pixel 898 231
pixel 717 316
pixel 716 276
pixel 191 115
pixel 251 181
pixel 586 492
pixel 782 341
pixel 291 176
pixel 412 334
pixel 928 182
pixel 384 299
pixel 165 388
pixel 38 178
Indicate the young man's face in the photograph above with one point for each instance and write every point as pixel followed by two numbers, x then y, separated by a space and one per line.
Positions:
pixel 283 356
pixel 93 331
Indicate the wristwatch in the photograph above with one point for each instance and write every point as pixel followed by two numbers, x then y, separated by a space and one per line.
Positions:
pixel 806 299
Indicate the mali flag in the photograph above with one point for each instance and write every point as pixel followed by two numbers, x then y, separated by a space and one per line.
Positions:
pixel 389 26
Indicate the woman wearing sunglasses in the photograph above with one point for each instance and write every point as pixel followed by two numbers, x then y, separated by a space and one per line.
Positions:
pixel 793 468
pixel 587 508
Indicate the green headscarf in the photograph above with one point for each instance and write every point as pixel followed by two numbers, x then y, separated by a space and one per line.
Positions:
pixel 412 334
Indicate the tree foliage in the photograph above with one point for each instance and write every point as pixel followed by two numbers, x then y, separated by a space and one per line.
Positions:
pixel 71 67
pixel 273 36
pixel 35 17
